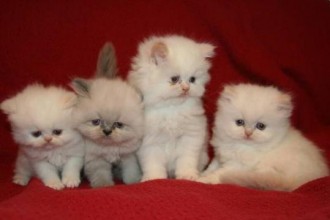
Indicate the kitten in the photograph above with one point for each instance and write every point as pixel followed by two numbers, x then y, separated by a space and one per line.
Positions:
pixel 255 144
pixel 48 143
pixel 110 117
pixel 171 73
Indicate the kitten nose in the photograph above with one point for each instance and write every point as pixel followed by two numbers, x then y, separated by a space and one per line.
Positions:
pixel 107 132
pixel 248 133
pixel 48 138
pixel 185 87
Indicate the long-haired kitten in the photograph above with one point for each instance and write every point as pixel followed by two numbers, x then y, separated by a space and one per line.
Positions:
pixel 255 144
pixel 49 146
pixel 110 117
pixel 171 73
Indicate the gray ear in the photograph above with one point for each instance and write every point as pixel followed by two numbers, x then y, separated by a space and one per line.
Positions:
pixel 107 62
pixel 81 87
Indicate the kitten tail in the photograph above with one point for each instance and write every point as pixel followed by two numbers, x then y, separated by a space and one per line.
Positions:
pixel 107 62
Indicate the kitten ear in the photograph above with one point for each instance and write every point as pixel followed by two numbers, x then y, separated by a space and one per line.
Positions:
pixel 227 94
pixel 285 105
pixel 81 87
pixel 207 50
pixel 159 53
pixel 70 100
pixel 107 62
pixel 8 106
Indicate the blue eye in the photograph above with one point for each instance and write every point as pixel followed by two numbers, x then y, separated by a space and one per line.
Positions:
pixel 36 134
pixel 260 126
pixel 57 132
pixel 175 79
pixel 96 122
pixel 118 125
pixel 240 122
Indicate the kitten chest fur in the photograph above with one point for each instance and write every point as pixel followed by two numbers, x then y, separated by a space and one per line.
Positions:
pixel 166 126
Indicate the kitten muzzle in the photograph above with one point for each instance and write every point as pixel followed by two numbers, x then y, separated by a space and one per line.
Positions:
pixel 107 132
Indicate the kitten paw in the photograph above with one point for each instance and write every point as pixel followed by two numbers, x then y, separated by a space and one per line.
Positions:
pixel 131 179
pixel 210 179
pixel 101 182
pixel 70 181
pixel 21 180
pixel 187 176
pixel 148 178
pixel 54 184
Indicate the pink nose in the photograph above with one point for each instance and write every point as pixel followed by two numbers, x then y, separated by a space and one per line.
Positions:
pixel 48 138
pixel 185 87
pixel 248 133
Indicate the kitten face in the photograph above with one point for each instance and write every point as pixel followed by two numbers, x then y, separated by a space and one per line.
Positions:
pixel 41 116
pixel 253 114
pixel 111 114
pixel 171 67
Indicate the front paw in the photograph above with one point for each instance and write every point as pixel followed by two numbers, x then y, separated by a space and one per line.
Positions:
pixel 21 180
pixel 71 181
pixel 209 179
pixel 54 184
pixel 152 177
pixel 187 175
pixel 97 182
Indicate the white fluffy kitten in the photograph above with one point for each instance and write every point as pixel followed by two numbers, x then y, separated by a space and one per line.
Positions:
pixel 171 73
pixel 110 117
pixel 49 146
pixel 255 144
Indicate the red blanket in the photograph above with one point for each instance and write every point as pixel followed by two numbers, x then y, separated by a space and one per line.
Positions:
pixel 285 43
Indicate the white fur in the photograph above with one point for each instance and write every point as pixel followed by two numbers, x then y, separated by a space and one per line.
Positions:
pixel 278 157
pixel 39 108
pixel 111 101
pixel 174 143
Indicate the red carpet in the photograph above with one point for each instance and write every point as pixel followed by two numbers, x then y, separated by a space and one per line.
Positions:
pixel 285 43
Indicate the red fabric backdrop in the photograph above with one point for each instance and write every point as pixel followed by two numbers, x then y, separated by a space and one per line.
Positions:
pixel 285 43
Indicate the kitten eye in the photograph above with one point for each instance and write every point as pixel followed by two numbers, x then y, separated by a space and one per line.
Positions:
pixel 118 124
pixel 175 79
pixel 57 132
pixel 240 122
pixel 96 122
pixel 192 79
pixel 260 126
pixel 36 134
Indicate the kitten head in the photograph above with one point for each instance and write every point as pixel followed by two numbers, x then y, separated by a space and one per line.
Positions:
pixel 252 114
pixel 41 116
pixel 171 67
pixel 109 112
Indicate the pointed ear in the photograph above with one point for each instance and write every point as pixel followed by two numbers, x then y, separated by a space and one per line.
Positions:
pixel 227 94
pixel 70 100
pixel 207 50
pixel 159 53
pixel 285 106
pixel 81 87
pixel 107 62
pixel 8 106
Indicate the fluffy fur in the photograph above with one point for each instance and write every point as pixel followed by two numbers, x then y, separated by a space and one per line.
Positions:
pixel 41 124
pixel 255 144
pixel 171 73
pixel 110 117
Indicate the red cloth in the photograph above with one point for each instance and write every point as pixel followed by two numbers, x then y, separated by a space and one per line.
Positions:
pixel 285 43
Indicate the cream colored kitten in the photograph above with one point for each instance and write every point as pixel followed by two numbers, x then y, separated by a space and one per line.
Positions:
pixel 171 73
pixel 110 117
pixel 255 144
pixel 49 146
